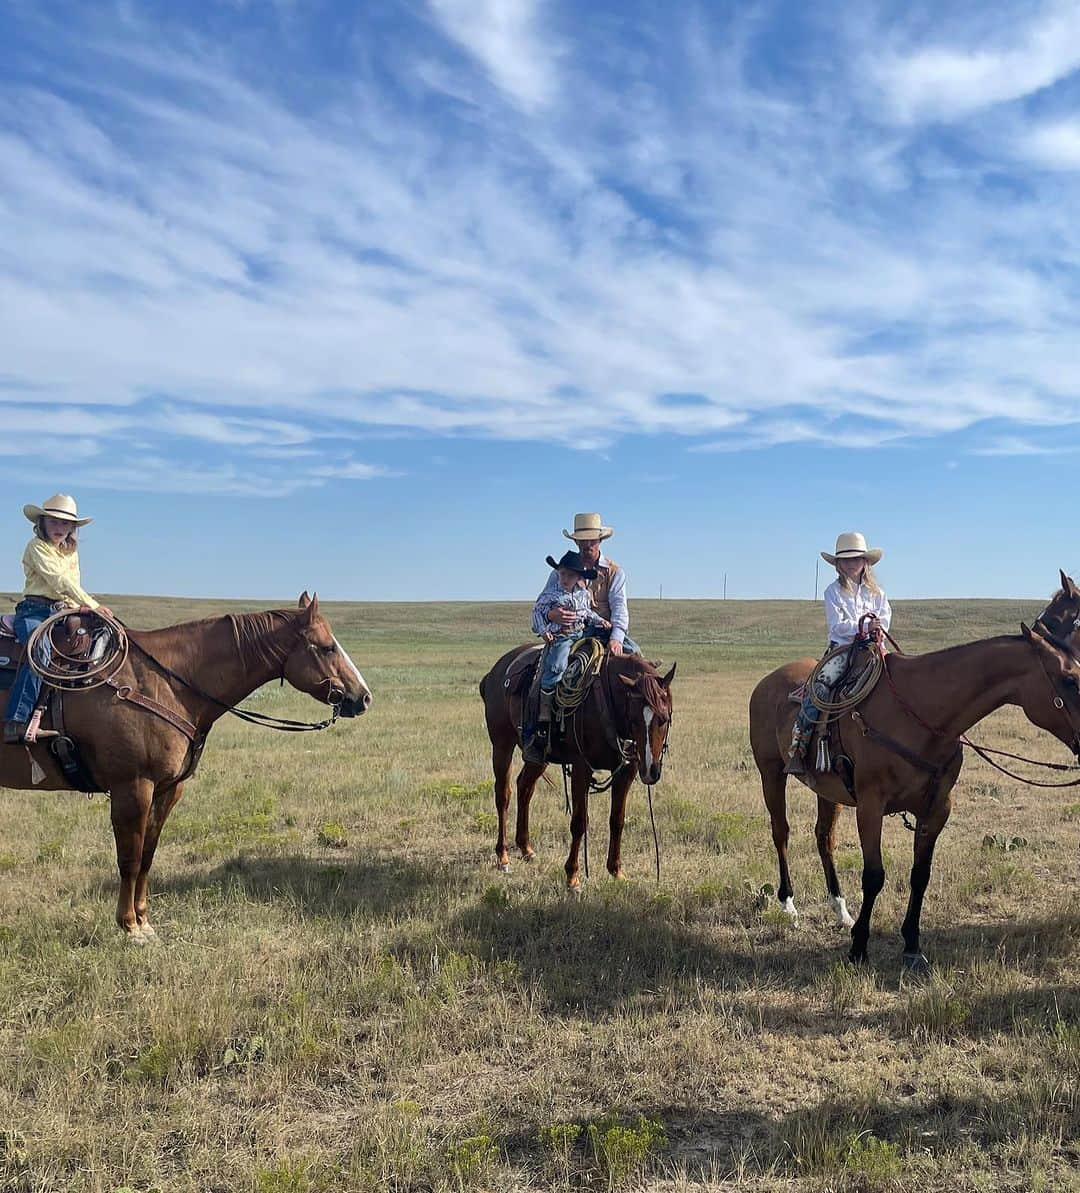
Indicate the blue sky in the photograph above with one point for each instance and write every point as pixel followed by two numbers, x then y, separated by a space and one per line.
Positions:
pixel 371 298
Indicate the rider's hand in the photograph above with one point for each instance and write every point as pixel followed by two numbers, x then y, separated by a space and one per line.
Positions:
pixel 557 615
pixel 549 637
pixel 615 647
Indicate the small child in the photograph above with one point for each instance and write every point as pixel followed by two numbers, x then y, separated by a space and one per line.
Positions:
pixel 51 565
pixel 567 588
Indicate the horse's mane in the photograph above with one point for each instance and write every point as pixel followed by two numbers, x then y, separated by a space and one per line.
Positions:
pixel 656 696
pixel 254 635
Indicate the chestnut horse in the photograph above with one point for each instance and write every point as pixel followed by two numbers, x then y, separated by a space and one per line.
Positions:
pixel 903 742
pixel 140 736
pixel 621 726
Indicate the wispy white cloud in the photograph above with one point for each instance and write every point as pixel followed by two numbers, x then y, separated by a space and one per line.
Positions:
pixel 504 37
pixel 1023 55
pixel 657 236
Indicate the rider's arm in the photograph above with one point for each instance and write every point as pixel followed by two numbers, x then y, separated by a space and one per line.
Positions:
pixel 884 611
pixel 839 624
pixel 544 603
pixel 620 615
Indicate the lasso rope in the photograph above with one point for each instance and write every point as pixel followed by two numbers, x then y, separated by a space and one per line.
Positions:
pixel 574 685
pixel 77 672
pixel 865 681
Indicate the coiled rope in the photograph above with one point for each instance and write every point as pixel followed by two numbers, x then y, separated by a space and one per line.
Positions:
pixel 76 672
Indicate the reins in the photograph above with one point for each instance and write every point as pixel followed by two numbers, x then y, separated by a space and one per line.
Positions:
pixel 984 752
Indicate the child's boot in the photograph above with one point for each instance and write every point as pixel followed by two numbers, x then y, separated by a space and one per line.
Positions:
pixel 536 750
pixel 800 739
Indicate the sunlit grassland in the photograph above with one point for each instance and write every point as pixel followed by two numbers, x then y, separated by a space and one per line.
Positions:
pixel 347 994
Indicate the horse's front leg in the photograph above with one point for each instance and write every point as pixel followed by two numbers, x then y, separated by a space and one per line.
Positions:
pixel 580 778
pixel 526 785
pixel 620 788
pixel 130 808
pixel 926 834
pixel 165 799
pixel 502 758
pixel 868 814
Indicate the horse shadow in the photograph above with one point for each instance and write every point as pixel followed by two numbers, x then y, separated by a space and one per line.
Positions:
pixel 374 889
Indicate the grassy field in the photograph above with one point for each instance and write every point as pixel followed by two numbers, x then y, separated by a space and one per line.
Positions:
pixel 348 995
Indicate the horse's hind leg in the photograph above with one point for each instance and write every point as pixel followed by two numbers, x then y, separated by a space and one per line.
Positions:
pixel 502 758
pixel 165 799
pixel 527 779
pixel 774 787
pixel 825 830
pixel 129 807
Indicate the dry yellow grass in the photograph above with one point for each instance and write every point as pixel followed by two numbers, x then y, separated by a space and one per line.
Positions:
pixel 348 995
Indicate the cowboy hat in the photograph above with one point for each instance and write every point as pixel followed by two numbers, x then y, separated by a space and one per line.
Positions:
pixel 588 527
pixel 852 546
pixel 572 562
pixel 59 505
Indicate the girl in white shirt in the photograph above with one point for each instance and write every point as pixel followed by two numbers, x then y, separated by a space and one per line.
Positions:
pixel 853 594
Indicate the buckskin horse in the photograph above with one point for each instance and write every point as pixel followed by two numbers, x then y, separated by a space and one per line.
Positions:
pixel 621 726
pixel 904 742
pixel 141 734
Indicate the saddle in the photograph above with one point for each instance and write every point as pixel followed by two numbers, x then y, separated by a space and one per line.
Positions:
pixel 74 637
pixel 523 680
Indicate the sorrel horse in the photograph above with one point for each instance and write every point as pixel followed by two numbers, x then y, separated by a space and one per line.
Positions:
pixel 140 736
pixel 903 742
pixel 621 726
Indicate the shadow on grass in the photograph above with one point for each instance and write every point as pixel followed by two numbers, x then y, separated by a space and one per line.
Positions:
pixel 867 1145
pixel 376 889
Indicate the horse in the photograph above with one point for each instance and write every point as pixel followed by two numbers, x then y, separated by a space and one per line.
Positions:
pixel 903 742
pixel 621 726
pixel 141 734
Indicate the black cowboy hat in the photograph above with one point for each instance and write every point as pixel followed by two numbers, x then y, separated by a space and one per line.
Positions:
pixel 572 562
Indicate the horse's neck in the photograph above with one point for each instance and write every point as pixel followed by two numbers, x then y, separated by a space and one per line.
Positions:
pixel 207 654
pixel 954 689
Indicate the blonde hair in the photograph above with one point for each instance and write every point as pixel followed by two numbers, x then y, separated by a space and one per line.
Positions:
pixel 867 579
pixel 67 546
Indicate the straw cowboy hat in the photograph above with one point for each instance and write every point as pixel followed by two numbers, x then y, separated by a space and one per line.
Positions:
pixel 588 527
pixel 59 505
pixel 852 546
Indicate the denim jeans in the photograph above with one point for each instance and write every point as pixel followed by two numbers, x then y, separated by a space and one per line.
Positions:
pixel 830 673
pixel 629 645
pixel 556 656
pixel 29 614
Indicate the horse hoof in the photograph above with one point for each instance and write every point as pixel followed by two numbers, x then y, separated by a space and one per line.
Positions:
pixel 503 867
pixel 528 858
pixel 915 965
pixel 576 891
pixel 839 909
pixel 148 932
pixel 136 937
pixel 788 908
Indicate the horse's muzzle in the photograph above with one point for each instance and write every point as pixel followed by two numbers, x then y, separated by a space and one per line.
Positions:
pixel 355 708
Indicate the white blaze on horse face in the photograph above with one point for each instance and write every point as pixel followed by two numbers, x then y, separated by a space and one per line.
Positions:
pixel 355 670
pixel 648 741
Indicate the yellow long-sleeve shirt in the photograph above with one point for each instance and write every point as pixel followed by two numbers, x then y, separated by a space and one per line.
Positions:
pixel 52 574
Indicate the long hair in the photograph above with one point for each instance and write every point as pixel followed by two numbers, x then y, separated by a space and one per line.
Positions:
pixel 867 579
pixel 68 544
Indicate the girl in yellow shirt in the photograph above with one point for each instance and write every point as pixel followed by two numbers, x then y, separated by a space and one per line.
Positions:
pixel 51 565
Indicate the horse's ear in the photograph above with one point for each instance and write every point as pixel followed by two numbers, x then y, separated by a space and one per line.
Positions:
pixel 631 681
pixel 304 601
pixel 1067 584
pixel 666 681
pixel 1025 631
pixel 313 608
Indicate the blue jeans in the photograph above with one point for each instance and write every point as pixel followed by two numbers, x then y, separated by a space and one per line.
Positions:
pixel 556 656
pixel 628 644
pixel 29 614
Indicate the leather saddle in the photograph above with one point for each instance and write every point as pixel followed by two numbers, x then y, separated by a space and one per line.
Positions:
pixel 76 640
